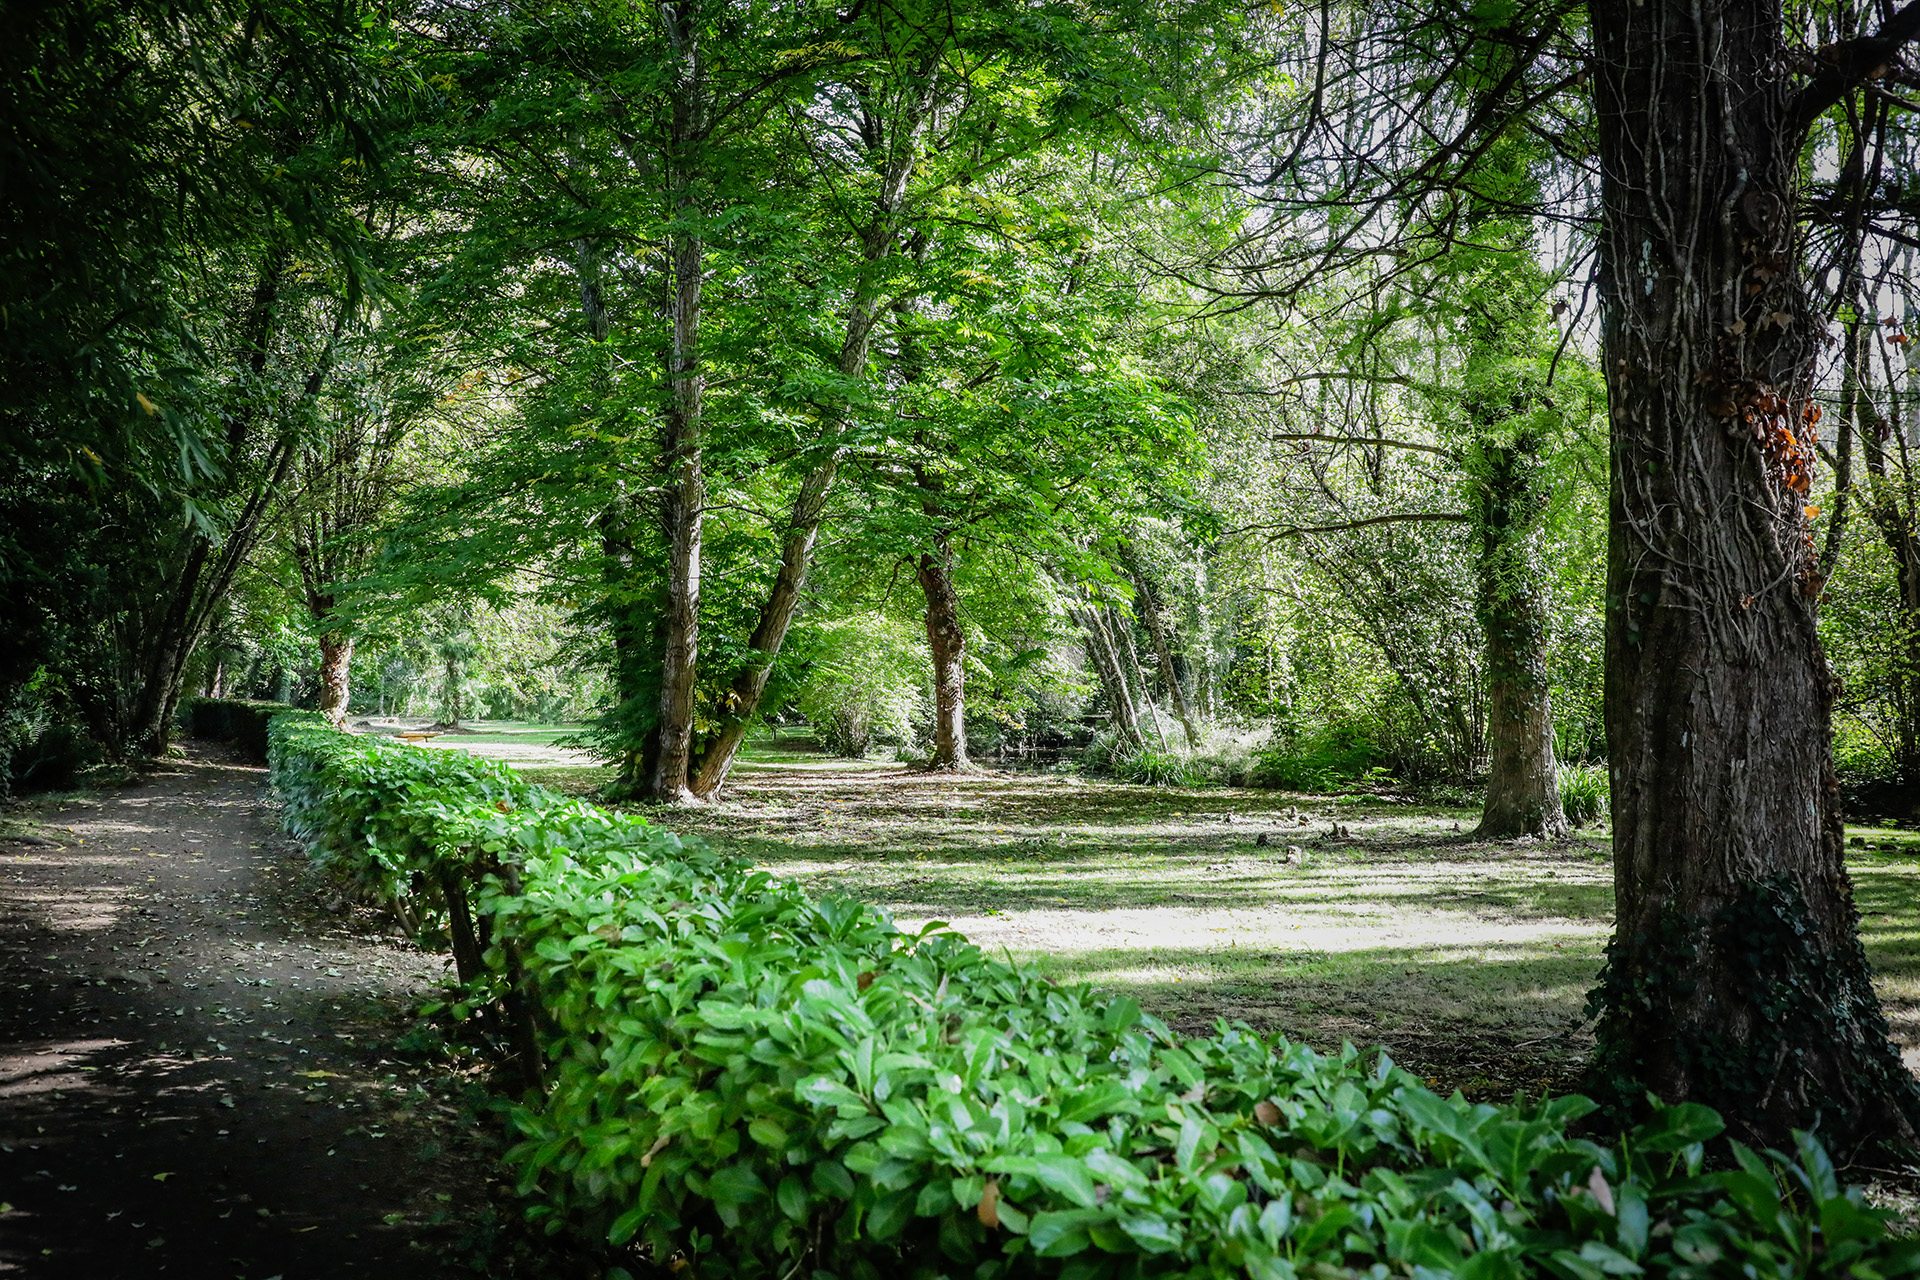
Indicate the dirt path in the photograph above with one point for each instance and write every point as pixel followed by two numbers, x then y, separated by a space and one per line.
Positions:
pixel 195 1069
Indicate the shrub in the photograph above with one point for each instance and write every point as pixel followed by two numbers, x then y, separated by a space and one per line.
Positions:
pixel 758 1084
pixel 41 747
pixel 865 683
pixel 1333 760
pixel 1585 793
pixel 240 722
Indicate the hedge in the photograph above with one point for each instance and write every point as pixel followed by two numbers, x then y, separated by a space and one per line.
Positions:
pixel 732 1079
pixel 234 720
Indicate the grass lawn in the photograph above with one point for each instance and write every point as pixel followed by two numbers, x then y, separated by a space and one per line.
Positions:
pixel 1469 960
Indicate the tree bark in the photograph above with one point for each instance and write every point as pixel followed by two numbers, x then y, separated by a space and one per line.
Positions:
pixel 948 644
pixel 453 698
pixel 1126 658
pixel 1735 976
pixel 1523 778
pixel 336 663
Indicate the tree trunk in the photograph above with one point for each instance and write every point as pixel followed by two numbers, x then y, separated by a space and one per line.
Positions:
pixel 948 644
pixel 685 513
pixel 1113 682
pixel 453 703
pixel 878 243
pixel 1127 661
pixel 1735 976
pixel 742 701
pixel 336 661
pixel 1523 778
pixel 684 509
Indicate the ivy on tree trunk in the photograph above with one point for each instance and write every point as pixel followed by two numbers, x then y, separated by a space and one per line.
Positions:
pixel 1735 976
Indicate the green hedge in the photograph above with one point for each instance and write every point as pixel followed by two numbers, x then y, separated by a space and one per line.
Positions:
pixel 233 720
pixel 733 1075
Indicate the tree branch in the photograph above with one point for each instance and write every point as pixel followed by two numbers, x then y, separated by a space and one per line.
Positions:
pixel 1847 63
pixel 1404 517
pixel 1330 437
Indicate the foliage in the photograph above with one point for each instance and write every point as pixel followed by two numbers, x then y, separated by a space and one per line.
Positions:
pixel 40 749
pixel 1585 793
pixel 1763 949
pixel 1330 759
pixel 864 683
pixel 754 1082
pixel 1868 638
pixel 189 189
pixel 1224 756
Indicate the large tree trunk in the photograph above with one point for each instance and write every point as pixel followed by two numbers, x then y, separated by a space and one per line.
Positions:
pixel 1523 778
pixel 1735 976
pixel 684 508
pixel 336 663
pixel 685 513
pixel 948 644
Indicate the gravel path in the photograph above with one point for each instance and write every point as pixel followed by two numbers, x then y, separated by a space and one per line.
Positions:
pixel 196 1070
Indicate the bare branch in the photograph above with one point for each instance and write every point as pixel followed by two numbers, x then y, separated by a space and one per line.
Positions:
pixel 1404 517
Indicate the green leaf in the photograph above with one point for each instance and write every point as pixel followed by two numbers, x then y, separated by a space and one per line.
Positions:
pixel 791 1196
pixel 1153 1234
pixel 767 1133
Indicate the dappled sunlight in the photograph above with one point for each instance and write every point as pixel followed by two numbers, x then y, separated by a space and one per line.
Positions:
pixel 62 1066
pixel 79 910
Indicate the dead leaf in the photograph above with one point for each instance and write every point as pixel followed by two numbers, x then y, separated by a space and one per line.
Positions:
pixel 1266 1113
pixel 989 1210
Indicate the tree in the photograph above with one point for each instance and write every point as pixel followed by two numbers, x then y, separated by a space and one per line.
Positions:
pixel 940 99
pixel 345 482
pixel 1735 976
pixel 184 167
